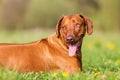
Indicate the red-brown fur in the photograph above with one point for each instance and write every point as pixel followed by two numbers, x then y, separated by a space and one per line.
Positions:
pixel 48 54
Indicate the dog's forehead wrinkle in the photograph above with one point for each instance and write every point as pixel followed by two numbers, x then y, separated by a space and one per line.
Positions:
pixel 69 16
pixel 68 20
pixel 74 18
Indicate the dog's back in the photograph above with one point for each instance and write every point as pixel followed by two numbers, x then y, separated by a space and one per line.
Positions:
pixel 25 57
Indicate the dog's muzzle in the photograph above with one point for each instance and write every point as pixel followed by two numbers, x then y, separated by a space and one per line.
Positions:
pixel 70 39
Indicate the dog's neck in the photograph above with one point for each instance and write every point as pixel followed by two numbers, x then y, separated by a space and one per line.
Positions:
pixel 53 39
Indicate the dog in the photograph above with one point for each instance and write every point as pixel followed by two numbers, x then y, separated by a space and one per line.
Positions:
pixel 59 51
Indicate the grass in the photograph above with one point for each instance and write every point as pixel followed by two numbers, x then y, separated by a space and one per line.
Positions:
pixel 101 57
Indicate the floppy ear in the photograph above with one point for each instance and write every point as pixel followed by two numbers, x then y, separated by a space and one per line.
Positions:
pixel 58 27
pixel 89 24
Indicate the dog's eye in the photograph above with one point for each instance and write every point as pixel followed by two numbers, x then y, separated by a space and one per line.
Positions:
pixel 77 25
pixel 63 27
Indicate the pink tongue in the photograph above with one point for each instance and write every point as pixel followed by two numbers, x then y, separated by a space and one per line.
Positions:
pixel 72 50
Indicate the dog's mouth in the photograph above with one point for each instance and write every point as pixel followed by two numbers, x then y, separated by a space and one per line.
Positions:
pixel 73 47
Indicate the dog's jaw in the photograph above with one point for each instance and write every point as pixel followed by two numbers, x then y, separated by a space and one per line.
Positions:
pixel 73 48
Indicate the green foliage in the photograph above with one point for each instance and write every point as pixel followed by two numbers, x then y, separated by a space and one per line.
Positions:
pixel 22 14
pixel 107 17
pixel 46 12
pixel 34 13
pixel 101 60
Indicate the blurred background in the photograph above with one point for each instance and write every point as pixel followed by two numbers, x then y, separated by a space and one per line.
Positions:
pixel 23 21
pixel 37 14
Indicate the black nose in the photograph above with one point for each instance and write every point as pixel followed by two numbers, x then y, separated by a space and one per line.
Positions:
pixel 70 38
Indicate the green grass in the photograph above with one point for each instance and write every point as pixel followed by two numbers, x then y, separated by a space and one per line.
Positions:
pixel 101 57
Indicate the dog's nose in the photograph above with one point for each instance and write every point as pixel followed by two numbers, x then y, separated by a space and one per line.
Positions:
pixel 70 38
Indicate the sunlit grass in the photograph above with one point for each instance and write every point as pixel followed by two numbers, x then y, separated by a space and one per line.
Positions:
pixel 101 57
pixel 24 36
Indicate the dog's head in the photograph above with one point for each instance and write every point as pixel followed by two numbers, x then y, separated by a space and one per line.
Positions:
pixel 71 30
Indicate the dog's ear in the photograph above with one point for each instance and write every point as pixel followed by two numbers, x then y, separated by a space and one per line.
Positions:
pixel 88 23
pixel 58 27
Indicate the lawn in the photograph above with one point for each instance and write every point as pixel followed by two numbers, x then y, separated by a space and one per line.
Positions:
pixel 101 57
